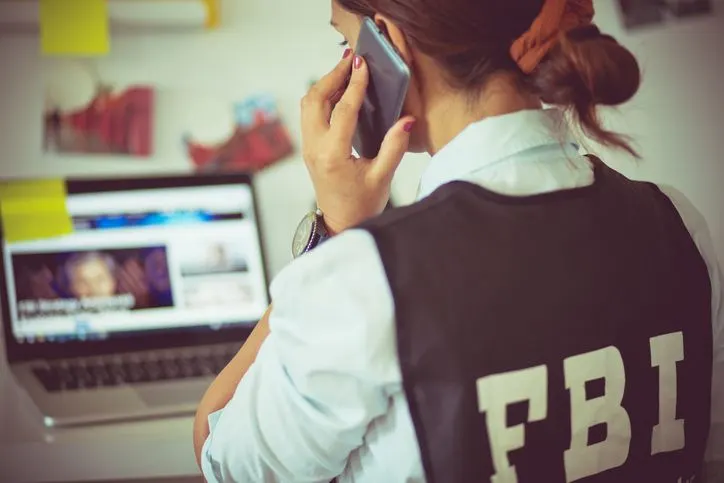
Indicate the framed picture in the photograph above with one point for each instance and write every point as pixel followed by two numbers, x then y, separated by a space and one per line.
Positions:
pixel 641 13
pixel 259 139
pixel 86 114
pixel 688 8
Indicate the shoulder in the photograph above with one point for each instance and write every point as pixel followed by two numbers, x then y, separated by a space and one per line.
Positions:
pixel 690 215
pixel 699 231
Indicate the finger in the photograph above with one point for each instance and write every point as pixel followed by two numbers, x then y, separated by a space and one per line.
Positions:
pixel 334 99
pixel 393 149
pixel 337 96
pixel 346 112
pixel 335 79
pixel 316 105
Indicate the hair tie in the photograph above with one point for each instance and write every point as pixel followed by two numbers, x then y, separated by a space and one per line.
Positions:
pixel 556 16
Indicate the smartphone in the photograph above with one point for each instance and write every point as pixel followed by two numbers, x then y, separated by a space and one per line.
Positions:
pixel 389 81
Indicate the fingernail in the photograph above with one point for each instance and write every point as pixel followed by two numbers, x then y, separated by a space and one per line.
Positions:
pixel 408 127
pixel 346 53
pixel 357 62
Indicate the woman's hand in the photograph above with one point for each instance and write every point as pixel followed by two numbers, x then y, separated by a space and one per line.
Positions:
pixel 349 190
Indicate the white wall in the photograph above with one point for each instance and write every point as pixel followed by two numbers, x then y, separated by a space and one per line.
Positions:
pixel 677 118
pixel 279 46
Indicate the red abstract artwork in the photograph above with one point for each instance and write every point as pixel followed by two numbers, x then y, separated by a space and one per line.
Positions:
pixel 111 123
pixel 259 139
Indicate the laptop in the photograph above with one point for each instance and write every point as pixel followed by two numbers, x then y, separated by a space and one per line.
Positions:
pixel 134 313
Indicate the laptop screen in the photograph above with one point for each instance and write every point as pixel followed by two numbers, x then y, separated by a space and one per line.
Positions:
pixel 139 262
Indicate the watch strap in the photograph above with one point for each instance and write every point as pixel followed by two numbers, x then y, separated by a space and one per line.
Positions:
pixel 316 235
pixel 320 234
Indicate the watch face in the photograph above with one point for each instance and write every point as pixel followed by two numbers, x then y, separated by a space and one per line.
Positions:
pixel 304 234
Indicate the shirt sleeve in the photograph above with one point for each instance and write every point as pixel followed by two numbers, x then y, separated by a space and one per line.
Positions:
pixel 324 373
pixel 697 226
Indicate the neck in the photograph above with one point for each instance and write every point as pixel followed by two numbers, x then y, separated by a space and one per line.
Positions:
pixel 450 113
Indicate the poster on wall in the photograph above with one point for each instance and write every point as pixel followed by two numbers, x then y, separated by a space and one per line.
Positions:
pixel 259 139
pixel 84 113
pixel 640 13
pixel 111 122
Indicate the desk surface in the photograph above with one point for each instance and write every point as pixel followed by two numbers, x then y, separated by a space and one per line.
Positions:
pixel 31 453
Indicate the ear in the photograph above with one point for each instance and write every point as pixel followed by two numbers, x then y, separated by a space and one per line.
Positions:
pixel 396 37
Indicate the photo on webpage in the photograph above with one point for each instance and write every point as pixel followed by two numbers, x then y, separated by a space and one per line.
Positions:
pixel 70 283
pixel 215 273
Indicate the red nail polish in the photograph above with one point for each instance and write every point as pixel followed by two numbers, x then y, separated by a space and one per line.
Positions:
pixel 346 53
pixel 408 127
pixel 357 62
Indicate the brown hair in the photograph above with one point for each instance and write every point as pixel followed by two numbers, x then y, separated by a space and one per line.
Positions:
pixel 471 40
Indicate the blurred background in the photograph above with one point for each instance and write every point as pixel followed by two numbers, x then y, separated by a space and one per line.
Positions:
pixel 280 46
pixel 277 48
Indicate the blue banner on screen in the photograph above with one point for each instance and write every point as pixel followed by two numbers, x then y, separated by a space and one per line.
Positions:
pixel 107 222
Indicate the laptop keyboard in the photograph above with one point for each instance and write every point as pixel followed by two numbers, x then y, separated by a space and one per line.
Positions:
pixel 139 368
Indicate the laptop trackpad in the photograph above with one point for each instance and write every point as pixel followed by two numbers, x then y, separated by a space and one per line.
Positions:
pixel 173 394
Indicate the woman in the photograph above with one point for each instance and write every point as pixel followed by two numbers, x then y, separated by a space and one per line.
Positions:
pixel 535 316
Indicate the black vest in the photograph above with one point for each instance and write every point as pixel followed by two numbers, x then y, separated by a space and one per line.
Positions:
pixel 551 338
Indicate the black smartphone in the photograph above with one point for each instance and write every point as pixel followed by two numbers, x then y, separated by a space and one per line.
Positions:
pixel 389 81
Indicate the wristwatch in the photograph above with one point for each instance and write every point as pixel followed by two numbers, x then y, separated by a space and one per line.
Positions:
pixel 311 233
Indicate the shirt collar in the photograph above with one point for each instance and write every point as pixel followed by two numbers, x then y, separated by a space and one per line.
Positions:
pixel 491 140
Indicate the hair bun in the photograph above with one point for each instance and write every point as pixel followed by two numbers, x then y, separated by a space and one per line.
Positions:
pixel 589 66
pixel 608 69
pixel 587 69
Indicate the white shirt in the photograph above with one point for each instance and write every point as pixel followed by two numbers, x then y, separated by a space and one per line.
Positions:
pixel 325 396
